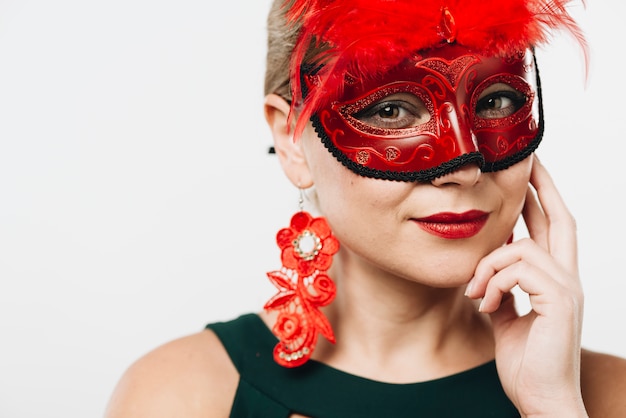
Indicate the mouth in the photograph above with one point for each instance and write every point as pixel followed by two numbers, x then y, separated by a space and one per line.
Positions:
pixel 450 225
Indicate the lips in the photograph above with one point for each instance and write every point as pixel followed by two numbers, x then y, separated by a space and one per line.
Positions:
pixel 451 225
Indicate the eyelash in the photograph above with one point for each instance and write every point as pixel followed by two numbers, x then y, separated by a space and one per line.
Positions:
pixel 376 108
pixel 406 116
pixel 518 99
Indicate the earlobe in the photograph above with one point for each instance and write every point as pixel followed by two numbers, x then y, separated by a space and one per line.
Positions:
pixel 288 150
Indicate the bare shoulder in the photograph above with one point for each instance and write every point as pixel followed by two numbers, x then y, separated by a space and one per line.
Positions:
pixel 603 380
pixel 188 377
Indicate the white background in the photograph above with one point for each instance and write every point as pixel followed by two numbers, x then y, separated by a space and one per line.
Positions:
pixel 137 200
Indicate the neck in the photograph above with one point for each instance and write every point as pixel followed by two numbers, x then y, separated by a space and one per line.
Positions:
pixel 392 329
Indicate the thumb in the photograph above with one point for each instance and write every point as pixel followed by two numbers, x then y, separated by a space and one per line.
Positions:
pixel 505 313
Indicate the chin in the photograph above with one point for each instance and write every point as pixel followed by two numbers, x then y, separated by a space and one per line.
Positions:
pixel 438 275
pixel 452 272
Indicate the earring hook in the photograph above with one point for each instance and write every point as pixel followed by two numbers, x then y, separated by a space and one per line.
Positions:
pixel 301 199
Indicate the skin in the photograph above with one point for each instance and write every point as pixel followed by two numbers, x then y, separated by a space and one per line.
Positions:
pixel 447 316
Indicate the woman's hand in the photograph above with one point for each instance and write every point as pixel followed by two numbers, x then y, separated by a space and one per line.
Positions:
pixel 538 354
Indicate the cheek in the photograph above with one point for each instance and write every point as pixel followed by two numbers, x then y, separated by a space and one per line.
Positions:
pixel 342 193
pixel 347 198
pixel 514 182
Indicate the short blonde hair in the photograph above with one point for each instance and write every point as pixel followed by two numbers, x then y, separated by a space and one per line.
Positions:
pixel 281 40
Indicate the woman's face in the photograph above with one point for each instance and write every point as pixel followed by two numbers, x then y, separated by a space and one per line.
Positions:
pixel 433 233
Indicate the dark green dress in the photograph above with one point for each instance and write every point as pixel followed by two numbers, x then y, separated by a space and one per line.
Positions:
pixel 268 390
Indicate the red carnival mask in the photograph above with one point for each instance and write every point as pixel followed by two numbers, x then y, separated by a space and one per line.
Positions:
pixel 410 91
pixel 433 113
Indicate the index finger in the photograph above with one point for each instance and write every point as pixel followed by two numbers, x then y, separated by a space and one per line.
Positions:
pixel 562 241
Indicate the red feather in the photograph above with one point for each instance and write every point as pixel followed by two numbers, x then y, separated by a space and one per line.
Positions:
pixel 362 38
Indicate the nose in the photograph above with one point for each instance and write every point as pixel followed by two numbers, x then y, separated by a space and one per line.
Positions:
pixel 466 175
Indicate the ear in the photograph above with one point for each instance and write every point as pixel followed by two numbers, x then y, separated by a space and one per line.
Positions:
pixel 289 151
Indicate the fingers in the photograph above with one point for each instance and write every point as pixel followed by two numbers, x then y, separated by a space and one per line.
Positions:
pixel 538 284
pixel 524 251
pixel 557 227
pixel 535 220
pixel 505 313
pixel 525 264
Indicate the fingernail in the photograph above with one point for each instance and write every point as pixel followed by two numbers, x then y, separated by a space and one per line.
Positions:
pixel 481 307
pixel 469 288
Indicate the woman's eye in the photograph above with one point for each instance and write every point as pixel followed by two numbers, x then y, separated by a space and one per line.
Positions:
pixel 395 112
pixel 500 104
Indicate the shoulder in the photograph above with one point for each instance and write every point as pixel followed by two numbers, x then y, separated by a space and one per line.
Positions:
pixel 603 381
pixel 191 377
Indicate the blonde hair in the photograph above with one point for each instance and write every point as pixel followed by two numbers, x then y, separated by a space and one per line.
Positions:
pixel 281 39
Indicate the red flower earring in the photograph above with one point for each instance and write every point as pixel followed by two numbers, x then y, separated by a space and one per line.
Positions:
pixel 307 247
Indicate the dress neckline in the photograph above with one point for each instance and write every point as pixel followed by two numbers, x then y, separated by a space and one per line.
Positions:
pixel 318 390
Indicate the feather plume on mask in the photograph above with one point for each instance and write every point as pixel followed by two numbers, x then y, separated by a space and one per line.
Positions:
pixel 357 39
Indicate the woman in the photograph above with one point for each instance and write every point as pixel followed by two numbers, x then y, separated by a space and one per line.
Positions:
pixel 412 127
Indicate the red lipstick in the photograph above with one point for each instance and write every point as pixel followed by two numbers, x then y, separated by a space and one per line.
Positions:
pixel 451 225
